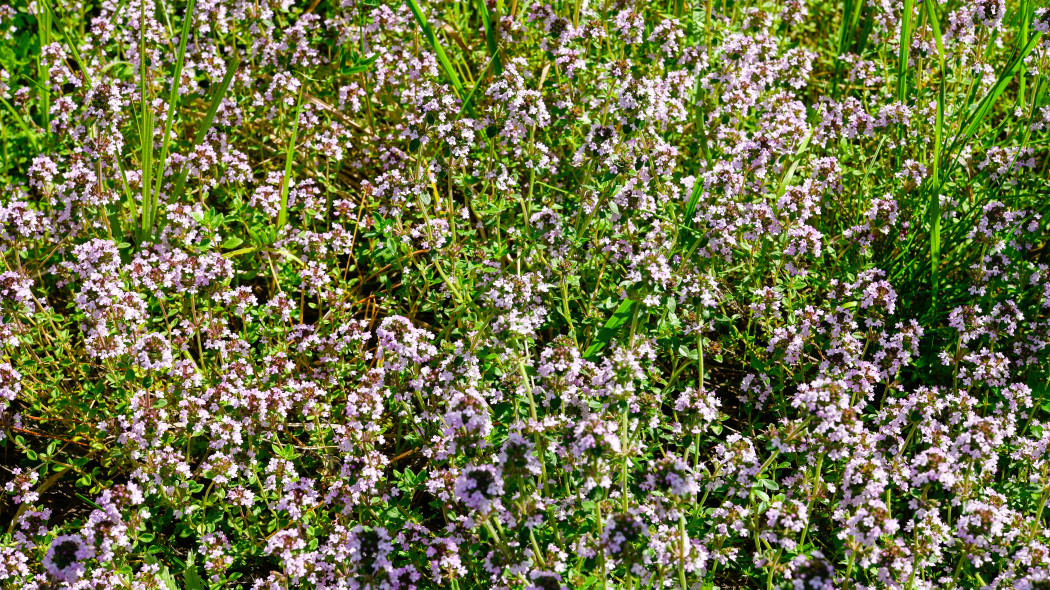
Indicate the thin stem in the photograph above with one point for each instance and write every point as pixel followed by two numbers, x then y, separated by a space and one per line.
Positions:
pixel 626 443
pixel 773 569
pixel 683 545
pixel 601 551
pixel 812 497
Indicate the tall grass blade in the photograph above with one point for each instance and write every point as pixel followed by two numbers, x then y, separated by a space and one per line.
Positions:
pixel 935 182
pixel 173 99
pixel 985 105
pixel 490 37
pixel 905 49
pixel 850 16
pixel 209 117
pixel 30 133
pixel 1022 40
pixel 44 24
pixel 282 216
pixel 446 65
pixel 70 42
pixel 605 335
pixel 468 103
pixel 146 129
pixel 690 208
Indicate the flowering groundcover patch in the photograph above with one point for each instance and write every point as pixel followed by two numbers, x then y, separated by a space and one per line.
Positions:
pixel 509 294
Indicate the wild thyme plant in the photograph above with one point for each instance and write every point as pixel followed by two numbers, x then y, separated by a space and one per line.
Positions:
pixel 501 294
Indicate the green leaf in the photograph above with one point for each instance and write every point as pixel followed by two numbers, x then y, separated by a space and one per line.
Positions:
pixel 687 352
pixel 239 252
pixel 768 484
pixel 88 501
pixel 618 319
pixel 193 580
pixel 359 66
pixel 589 582
pixel 286 453
pixel 690 209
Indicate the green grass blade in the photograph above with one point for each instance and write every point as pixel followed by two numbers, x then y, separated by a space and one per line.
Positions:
pixel 905 48
pixel 468 103
pixel 146 129
pixel 21 123
pixel 173 99
pixel 282 216
pixel 1022 40
pixel 935 25
pixel 850 17
pixel 605 335
pixel 490 36
pixel 216 99
pixel 986 104
pixel 44 24
pixel 934 206
pixel 790 173
pixel 209 117
pixel 690 208
pixel 436 47
pixel 70 42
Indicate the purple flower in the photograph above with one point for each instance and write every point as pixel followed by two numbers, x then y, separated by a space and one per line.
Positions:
pixel 480 488
pixel 544 580
pixel 672 476
pixel 516 458
pixel 65 558
pixel 812 572
pixel 624 538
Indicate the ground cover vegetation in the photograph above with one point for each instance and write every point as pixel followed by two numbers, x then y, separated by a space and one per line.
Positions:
pixel 506 294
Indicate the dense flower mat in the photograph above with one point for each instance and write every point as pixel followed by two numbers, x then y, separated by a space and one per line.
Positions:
pixel 503 294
